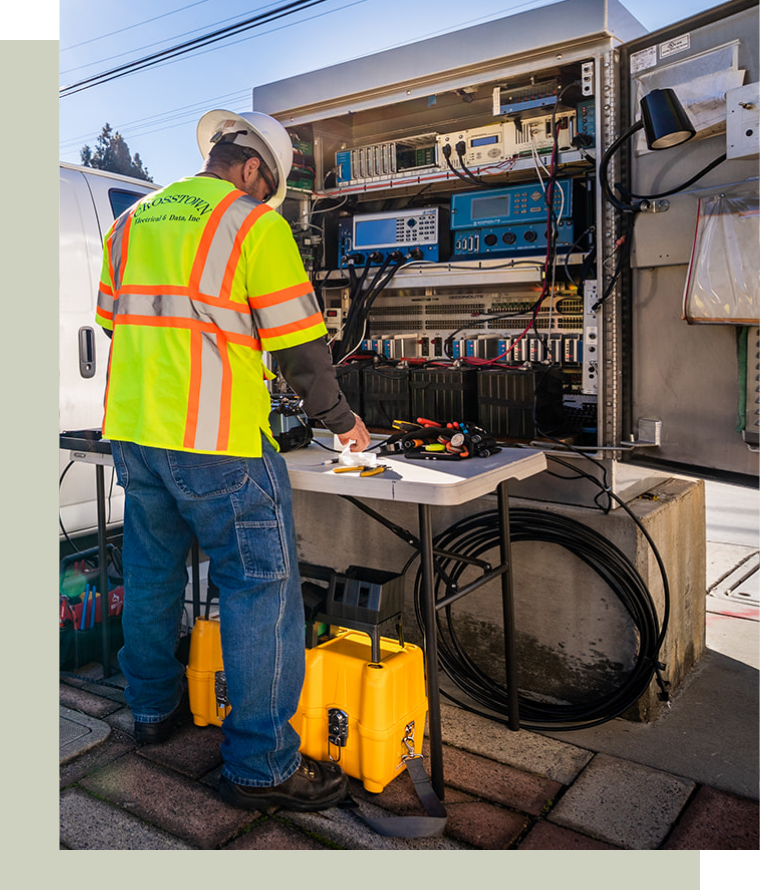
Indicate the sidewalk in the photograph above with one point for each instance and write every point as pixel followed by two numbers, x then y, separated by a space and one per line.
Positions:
pixel 688 781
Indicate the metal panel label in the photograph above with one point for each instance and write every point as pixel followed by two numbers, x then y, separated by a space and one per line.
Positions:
pixel 676 45
pixel 643 59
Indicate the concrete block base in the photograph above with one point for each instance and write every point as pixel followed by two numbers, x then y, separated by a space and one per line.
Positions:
pixel 576 640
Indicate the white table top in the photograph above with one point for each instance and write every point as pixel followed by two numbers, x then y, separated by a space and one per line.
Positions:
pixel 434 482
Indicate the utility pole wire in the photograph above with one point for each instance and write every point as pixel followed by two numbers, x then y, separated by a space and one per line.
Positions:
pixel 162 42
pixel 132 27
pixel 189 46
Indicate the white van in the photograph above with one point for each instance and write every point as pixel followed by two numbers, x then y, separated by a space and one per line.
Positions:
pixel 90 200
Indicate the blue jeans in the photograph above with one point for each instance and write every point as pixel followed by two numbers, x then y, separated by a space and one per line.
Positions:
pixel 240 510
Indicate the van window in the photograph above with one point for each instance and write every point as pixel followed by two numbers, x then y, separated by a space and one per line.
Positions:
pixel 121 200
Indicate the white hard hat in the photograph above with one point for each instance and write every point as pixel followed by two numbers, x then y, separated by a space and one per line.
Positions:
pixel 255 130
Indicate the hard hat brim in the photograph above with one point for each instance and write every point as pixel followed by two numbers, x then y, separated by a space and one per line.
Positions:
pixel 219 119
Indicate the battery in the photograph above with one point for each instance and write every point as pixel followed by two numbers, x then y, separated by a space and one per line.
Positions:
pixel 365 715
pixel 350 382
pixel 446 394
pixel 385 394
pixel 520 404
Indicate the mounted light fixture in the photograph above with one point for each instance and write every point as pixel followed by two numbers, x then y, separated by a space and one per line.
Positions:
pixel 665 124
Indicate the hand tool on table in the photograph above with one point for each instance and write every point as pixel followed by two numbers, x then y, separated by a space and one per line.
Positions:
pixel 362 471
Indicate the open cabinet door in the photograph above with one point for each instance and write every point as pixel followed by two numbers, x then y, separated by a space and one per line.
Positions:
pixel 690 304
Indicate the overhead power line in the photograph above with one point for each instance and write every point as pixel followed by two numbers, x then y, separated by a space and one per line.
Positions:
pixel 189 46
pixel 163 42
pixel 132 27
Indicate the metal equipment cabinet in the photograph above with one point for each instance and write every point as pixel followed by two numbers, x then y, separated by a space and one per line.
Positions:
pixel 372 134
pixel 543 99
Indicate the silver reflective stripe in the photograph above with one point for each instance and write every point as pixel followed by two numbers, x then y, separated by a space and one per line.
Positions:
pixel 105 304
pixel 209 405
pixel 181 306
pixel 117 243
pixel 222 243
pixel 287 312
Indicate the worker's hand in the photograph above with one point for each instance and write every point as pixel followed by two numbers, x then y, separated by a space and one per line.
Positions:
pixel 358 436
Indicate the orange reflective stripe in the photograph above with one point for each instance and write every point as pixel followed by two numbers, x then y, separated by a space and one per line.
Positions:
pixel 207 237
pixel 194 394
pixel 244 340
pixel 281 296
pixel 105 289
pixel 102 313
pixel 232 263
pixel 189 324
pixel 301 325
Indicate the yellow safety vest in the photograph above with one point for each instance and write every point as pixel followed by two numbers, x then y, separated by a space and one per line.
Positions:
pixel 198 279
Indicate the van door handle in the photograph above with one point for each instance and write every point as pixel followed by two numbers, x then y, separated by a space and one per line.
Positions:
pixel 87 352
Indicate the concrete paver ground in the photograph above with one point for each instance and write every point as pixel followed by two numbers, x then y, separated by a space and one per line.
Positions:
pixel 504 790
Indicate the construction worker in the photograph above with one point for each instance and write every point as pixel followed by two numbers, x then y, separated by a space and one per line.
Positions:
pixel 198 280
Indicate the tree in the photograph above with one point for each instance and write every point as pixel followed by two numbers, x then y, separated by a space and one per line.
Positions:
pixel 112 153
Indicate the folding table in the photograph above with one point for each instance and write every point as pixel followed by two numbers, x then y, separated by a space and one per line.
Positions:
pixel 425 483
pixel 431 483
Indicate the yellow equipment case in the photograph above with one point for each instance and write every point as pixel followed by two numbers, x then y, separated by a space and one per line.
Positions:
pixel 365 715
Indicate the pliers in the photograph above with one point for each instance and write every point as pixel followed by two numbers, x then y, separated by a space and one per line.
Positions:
pixel 363 471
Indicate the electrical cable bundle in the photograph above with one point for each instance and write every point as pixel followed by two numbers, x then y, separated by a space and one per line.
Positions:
pixel 476 535
pixel 466 175
pixel 360 302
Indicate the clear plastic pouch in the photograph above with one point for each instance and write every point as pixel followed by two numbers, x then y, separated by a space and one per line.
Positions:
pixel 723 283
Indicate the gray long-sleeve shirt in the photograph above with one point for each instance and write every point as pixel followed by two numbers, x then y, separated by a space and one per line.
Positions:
pixel 309 371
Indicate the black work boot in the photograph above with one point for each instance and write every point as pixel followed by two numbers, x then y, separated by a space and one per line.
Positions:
pixel 315 785
pixel 155 733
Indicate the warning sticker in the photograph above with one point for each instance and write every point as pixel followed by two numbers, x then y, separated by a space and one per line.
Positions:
pixel 676 45
pixel 643 59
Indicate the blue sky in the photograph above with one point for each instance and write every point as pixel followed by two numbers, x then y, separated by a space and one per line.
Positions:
pixel 156 110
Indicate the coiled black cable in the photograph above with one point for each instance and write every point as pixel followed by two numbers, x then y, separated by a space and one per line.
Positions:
pixel 476 535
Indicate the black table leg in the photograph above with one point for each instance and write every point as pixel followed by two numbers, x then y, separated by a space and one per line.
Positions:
pixel 508 606
pixel 105 598
pixel 431 650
